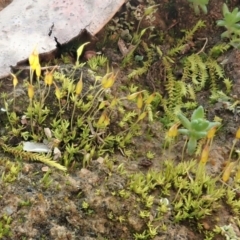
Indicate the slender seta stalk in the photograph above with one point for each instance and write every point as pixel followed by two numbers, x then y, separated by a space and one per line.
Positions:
pixel 78 91
pixel 235 140
pixel 15 82
pixel 31 95
pixel 58 95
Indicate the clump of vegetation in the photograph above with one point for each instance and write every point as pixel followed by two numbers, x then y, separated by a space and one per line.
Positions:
pixel 11 172
pixel 184 191
pixel 77 123
pixel 97 61
pixel 5 226
pixel 198 70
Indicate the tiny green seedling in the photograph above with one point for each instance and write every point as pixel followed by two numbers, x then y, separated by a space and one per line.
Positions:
pixel 195 129
pixel 5 227
pixel 11 172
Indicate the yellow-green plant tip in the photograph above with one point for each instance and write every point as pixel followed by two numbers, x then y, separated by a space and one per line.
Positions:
pixel 15 80
pixel 30 91
pixel 139 101
pixel 38 70
pixel 173 131
pixel 150 98
pixel 238 134
pixel 108 80
pixel 79 86
pixel 133 95
pixel 48 79
pixel 34 59
pixel 227 171
pixel 204 155
pixel 211 132
pixel 80 50
pixel 142 116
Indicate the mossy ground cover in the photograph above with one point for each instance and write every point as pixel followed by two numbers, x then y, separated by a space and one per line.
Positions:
pixel 118 167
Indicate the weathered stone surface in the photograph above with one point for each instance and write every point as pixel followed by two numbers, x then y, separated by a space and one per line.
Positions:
pixel 25 24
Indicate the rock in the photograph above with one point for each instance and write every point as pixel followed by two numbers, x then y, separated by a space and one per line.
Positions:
pixel 27 24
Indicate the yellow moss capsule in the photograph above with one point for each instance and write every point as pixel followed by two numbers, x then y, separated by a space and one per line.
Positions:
pixel 150 98
pixel 132 96
pixel 30 91
pixel 173 131
pixel 238 134
pixel 237 176
pixel 113 102
pixel 211 133
pixel 15 80
pixel 48 79
pixel 142 116
pixel 102 104
pixel 38 70
pixel 108 80
pixel 227 171
pixel 106 121
pixel 139 101
pixel 57 91
pixel 80 50
pixel 34 59
pixel 105 78
pixel 204 155
pixel 101 119
pixel 79 86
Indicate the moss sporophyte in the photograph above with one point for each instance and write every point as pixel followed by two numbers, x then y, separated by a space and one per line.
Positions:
pixel 91 106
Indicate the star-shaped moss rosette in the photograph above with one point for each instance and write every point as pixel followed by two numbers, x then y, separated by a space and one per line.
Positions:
pixel 231 21
pixel 195 129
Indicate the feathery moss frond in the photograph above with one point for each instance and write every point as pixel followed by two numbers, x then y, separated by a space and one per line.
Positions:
pixel 191 92
pixel 32 156
pixel 218 49
pixel 196 70
pixel 188 36
pixel 190 105
pixel 146 64
pixel 228 83
pixel 170 80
